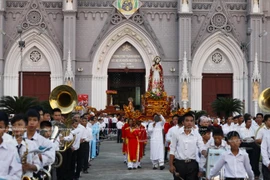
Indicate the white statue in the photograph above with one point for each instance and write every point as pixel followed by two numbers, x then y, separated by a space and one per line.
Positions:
pixel 185 6
pixel 256 8
pixel 69 4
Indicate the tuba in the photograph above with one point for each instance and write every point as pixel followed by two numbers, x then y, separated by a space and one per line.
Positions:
pixel 264 100
pixel 65 98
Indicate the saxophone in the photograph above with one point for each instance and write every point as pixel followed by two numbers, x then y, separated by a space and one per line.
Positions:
pixel 24 161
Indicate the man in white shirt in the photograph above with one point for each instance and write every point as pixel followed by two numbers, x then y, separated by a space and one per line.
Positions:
pixel 183 151
pixel 229 126
pixel 114 121
pixel 262 129
pixel 265 150
pixel 119 126
pixel 247 135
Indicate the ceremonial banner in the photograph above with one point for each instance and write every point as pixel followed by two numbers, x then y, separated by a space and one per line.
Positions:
pixel 127 7
pixel 83 100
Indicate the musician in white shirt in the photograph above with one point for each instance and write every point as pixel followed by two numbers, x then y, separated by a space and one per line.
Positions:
pixel 183 150
pixel 119 126
pixel 265 151
pixel 235 160
pixel 26 149
pixel 263 129
pixel 10 167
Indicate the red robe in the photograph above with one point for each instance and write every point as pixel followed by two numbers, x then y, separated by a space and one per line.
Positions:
pixel 143 140
pixel 124 147
pixel 133 145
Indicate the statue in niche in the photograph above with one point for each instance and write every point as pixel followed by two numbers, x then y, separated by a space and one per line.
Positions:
pixel 69 4
pixel 184 1
pixel 256 87
pixel 256 8
pixel 184 91
pixel 185 6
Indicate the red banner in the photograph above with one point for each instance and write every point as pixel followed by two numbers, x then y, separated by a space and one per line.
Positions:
pixel 83 100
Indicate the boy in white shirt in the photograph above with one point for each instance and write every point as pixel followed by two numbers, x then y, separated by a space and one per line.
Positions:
pixel 235 157
pixel 10 167
pixel 29 160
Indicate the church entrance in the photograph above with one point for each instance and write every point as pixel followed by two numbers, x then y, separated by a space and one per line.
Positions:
pixel 127 83
pixel 213 87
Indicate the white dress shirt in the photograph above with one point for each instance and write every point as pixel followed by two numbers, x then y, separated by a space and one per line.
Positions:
pixel 10 166
pixel 235 166
pixel 48 156
pixel 247 133
pixel 171 131
pixel 32 157
pixel 119 124
pixel 226 128
pixel 114 120
pixel 185 146
pixel 106 120
pixel 260 132
pixel 78 134
pixel 265 149
pixel 87 134
pixel 7 137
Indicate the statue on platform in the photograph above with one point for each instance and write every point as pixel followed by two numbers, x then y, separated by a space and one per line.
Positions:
pixel 184 91
pixel 156 85
pixel 130 104
pixel 255 87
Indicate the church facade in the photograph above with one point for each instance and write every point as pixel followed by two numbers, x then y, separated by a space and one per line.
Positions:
pixel 208 49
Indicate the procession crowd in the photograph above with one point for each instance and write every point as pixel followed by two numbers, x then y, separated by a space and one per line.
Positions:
pixel 39 145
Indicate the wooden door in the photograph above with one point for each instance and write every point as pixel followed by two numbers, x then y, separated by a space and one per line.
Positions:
pixel 214 86
pixel 37 84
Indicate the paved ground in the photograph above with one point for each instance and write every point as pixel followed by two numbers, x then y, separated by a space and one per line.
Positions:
pixel 109 165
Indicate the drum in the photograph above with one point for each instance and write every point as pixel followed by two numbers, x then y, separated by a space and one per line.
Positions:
pixel 212 157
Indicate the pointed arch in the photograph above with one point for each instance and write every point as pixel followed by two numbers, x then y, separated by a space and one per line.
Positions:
pixel 236 57
pixel 126 32
pixel 13 60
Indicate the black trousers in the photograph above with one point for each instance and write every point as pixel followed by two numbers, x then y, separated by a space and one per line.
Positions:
pixel 166 153
pixel 234 178
pixel 265 172
pixel 187 171
pixel 73 163
pixel 64 172
pixel 114 128
pixel 119 135
pixel 254 152
pixel 78 160
pixel 85 155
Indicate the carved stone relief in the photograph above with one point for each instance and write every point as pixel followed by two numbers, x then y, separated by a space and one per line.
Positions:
pixel 217 63
pixel 34 60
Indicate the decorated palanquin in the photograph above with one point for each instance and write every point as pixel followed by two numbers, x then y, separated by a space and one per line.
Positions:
pixel 155 100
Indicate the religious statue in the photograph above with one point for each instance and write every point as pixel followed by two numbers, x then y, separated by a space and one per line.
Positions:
pixel 184 1
pixel 127 5
pixel 255 87
pixel 69 4
pixel 156 85
pixel 185 6
pixel 184 91
pixel 130 104
pixel 256 8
